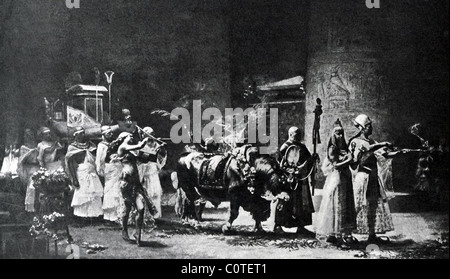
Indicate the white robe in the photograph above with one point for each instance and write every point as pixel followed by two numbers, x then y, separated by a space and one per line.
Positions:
pixel 111 194
pixel 87 198
pixel 148 174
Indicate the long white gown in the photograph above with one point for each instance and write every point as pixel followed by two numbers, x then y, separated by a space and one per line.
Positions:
pixel 87 198
pixel 110 170
pixel 149 176
pixel 28 164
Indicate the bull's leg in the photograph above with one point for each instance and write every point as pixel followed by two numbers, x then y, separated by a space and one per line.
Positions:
pixel 188 208
pixel 199 207
pixel 234 212
pixel 179 203
pixel 258 227
pixel 257 216
pixel 260 210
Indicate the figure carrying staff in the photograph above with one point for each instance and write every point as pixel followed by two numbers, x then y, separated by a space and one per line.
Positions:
pixel 149 168
pixel 295 210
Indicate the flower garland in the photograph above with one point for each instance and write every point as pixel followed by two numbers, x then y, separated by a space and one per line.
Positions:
pixel 50 182
pixel 48 226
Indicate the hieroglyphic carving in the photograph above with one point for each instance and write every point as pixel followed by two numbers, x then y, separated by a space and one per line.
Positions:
pixel 210 89
pixel 200 86
pixel 209 84
pixel 348 26
pixel 382 59
pixel 345 85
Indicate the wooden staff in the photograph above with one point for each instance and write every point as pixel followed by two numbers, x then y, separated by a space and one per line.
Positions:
pixel 97 82
pixel 109 76
pixel 150 136
pixel 316 140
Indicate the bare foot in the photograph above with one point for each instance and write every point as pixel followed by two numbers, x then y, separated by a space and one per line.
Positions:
pixel 125 236
pixel 137 238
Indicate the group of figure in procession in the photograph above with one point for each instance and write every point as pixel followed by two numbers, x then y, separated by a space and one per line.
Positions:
pixel 110 180
pixel 353 201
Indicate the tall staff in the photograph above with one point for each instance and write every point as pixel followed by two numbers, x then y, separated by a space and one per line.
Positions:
pixel 109 76
pixel 316 139
pixel 159 141
pixel 97 82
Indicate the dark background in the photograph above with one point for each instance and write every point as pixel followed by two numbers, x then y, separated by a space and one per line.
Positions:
pixel 166 53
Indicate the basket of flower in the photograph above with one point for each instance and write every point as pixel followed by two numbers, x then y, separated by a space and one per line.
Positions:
pixel 50 182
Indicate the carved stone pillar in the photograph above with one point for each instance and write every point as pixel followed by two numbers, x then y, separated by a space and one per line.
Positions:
pixel 346 68
pixel 386 63
pixel 359 62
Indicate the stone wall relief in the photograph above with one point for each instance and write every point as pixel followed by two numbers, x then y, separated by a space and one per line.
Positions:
pixel 211 90
pixel 360 31
pixel 349 85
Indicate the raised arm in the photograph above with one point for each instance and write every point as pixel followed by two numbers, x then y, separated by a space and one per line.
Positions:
pixel 130 147
pixel 374 147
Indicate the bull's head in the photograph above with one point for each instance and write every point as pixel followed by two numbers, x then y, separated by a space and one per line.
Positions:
pixel 267 176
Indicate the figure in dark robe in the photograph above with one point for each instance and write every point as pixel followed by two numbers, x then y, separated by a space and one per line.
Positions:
pixel 295 210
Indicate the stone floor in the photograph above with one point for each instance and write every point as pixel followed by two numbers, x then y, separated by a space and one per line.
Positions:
pixel 419 233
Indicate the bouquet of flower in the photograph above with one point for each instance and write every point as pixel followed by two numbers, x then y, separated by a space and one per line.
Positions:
pixel 50 182
pixel 48 226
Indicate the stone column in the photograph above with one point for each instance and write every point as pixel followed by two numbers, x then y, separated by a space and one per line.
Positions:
pixel 370 61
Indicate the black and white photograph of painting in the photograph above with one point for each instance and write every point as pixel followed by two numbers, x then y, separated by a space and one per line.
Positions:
pixel 224 129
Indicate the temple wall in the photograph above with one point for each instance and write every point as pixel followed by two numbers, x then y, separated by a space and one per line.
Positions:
pixel 388 63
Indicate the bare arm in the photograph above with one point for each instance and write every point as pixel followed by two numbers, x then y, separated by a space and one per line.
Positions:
pixel 40 156
pixel 349 158
pixel 58 145
pixel 391 154
pixel 71 165
pixel 374 147
pixel 362 153
pixel 130 147
pixel 100 159
pixel 334 158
